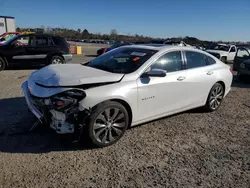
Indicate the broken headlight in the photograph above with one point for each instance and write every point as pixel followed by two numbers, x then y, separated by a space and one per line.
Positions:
pixel 65 100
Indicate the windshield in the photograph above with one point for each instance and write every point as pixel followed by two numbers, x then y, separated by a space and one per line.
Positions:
pixel 8 37
pixel 122 60
pixel 220 47
pixel 11 39
pixel 116 45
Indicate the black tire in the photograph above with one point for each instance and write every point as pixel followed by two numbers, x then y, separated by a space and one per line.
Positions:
pixel 57 59
pixel 92 134
pixel 209 107
pixel 3 65
pixel 224 59
pixel 99 52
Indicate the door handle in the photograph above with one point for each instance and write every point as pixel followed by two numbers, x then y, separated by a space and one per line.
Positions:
pixel 181 78
pixel 210 72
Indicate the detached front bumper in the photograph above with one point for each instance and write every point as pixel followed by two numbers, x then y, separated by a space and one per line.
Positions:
pixel 29 102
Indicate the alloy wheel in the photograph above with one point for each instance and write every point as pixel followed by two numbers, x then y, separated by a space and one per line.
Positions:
pixel 216 97
pixel 109 125
pixel 57 61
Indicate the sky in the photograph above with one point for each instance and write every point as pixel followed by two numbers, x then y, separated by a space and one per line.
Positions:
pixel 227 20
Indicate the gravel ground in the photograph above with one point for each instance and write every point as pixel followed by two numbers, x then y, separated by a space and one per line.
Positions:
pixel 191 149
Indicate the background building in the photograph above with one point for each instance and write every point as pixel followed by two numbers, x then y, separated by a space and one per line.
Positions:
pixel 7 24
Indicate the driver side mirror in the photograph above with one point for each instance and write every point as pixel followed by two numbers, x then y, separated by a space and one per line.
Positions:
pixel 155 73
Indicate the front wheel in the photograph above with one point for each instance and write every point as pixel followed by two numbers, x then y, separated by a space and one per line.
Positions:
pixel 107 124
pixel 224 59
pixel 215 97
pixel 56 60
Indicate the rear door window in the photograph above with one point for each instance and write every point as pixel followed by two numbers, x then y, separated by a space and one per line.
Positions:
pixel 233 49
pixel 195 59
pixel 42 41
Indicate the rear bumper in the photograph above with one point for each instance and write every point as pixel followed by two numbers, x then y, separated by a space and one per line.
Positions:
pixel 29 102
pixel 67 57
pixel 243 71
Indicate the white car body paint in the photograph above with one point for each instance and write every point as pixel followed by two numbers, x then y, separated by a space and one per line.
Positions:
pixel 148 99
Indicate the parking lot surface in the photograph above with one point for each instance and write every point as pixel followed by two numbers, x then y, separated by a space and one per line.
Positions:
pixel 191 149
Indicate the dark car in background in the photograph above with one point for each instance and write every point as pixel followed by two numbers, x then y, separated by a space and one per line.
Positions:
pixel 115 45
pixel 34 49
pixel 242 61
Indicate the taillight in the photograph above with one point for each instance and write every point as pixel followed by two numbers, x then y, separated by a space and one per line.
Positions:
pixel 231 70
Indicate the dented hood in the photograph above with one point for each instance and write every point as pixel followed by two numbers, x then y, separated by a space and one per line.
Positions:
pixel 72 75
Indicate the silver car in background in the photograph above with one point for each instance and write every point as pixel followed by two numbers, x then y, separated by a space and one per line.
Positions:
pixel 127 86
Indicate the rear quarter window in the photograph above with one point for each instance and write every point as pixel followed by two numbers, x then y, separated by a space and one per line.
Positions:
pixel 210 60
pixel 59 41
pixel 195 59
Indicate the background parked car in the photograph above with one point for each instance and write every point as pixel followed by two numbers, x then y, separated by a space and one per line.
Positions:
pixel 242 61
pixel 33 50
pixel 224 52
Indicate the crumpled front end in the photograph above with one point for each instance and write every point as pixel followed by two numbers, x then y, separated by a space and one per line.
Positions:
pixel 59 110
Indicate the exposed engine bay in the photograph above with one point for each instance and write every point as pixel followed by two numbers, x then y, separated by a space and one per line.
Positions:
pixel 61 112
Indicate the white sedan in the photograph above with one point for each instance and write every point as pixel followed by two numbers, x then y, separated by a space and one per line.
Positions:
pixel 127 86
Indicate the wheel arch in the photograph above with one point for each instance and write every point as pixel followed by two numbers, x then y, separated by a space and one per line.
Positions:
pixel 4 58
pixel 119 100
pixel 54 54
pixel 223 84
pixel 128 108
pixel 223 56
pixel 220 82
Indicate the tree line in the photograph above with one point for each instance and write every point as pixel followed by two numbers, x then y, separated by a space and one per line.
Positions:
pixel 78 34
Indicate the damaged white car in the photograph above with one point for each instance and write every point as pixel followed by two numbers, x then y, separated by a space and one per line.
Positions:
pixel 127 86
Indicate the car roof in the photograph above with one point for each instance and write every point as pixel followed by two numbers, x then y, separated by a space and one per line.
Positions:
pixel 159 47
pixel 222 44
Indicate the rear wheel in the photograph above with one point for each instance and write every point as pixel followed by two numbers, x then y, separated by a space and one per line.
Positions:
pixel 107 124
pixel 2 64
pixel 215 97
pixel 56 60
